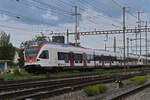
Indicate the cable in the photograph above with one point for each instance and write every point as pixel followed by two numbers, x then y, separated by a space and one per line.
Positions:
pixel 16 28
pixel 84 1
pixel 52 7
pixel 32 5
pixel 20 16
pixel 122 7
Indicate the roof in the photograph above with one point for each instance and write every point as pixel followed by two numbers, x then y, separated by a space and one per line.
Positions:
pixel 2 61
pixel 17 48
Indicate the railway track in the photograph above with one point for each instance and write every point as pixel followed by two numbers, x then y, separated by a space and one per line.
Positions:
pixel 130 91
pixel 48 88
pixel 21 84
pixel 26 90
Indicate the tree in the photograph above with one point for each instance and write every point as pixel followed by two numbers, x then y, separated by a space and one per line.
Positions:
pixel 75 44
pixel 41 37
pixel 7 51
pixel 4 39
pixel 21 57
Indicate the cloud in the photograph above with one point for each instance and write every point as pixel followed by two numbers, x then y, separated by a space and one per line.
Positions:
pixel 49 16
pixel 3 17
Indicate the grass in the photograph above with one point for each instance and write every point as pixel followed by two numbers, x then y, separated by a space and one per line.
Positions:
pixel 105 72
pixel 95 89
pixel 19 75
pixel 137 80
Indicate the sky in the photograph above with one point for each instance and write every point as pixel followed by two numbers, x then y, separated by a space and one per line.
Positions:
pixel 23 19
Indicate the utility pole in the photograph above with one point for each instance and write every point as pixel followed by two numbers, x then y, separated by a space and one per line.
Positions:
pixel 136 40
pixel 146 40
pixel 139 27
pixel 131 45
pixel 124 28
pixel 67 36
pixel 127 47
pixel 106 42
pixel 76 14
pixel 105 46
pixel 115 44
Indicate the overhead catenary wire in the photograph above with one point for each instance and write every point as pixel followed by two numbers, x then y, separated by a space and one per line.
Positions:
pixel 16 28
pixel 20 17
pixel 31 5
pixel 98 9
pixel 44 9
pixel 115 2
pixel 52 7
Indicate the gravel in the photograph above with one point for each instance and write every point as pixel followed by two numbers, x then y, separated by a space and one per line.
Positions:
pixel 80 95
pixel 142 95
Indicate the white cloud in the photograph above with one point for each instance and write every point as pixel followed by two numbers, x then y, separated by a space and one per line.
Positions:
pixel 3 17
pixel 48 16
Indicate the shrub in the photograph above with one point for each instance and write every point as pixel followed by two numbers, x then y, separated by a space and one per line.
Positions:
pixel 102 88
pixel 91 91
pixel 139 80
pixel 16 71
pixel 128 83
pixel 95 90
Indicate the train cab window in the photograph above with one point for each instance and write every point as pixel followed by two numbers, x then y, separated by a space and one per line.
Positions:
pixel 44 54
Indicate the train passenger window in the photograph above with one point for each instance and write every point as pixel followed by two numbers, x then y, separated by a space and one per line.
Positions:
pixel 97 58
pixel 63 56
pixel 78 58
pixel 76 61
pixel 106 58
pixel 44 54
pixel 66 61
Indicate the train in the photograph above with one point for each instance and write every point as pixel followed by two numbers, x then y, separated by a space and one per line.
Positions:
pixel 50 56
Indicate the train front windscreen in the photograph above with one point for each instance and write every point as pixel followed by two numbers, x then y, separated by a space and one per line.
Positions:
pixel 32 49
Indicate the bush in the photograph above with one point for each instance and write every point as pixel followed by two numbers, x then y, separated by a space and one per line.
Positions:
pixel 95 90
pixel 16 71
pixel 128 83
pixel 139 80
pixel 102 88
pixel 91 90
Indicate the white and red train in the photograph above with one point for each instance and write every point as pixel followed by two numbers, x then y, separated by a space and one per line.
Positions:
pixel 43 56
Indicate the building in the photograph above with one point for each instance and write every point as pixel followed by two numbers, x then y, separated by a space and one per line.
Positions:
pixel 3 66
pixel 16 56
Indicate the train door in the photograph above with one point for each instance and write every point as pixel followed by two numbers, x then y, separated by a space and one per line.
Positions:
pixel 102 60
pixel 71 56
pixel 110 62
pixel 84 60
